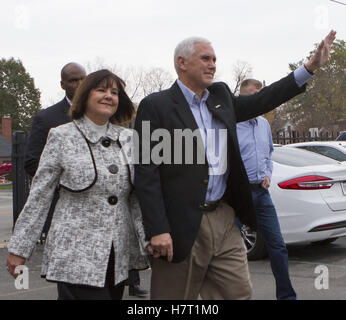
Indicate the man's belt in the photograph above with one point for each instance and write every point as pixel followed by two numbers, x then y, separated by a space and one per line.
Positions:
pixel 255 186
pixel 210 205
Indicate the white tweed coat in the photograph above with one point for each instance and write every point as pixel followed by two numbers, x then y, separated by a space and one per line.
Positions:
pixel 85 224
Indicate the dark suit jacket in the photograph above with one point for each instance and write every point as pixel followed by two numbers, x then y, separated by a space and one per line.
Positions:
pixel 45 120
pixel 171 195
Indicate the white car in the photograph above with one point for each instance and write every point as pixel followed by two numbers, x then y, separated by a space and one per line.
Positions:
pixel 332 149
pixel 309 194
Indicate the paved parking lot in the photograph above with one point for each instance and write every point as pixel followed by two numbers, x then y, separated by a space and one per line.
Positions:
pixel 317 272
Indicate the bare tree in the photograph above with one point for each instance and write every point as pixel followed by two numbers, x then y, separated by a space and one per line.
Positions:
pixel 140 82
pixel 132 76
pixel 241 71
pixel 156 79
pixel 98 64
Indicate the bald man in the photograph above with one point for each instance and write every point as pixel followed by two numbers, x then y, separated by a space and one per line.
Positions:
pixel 71 76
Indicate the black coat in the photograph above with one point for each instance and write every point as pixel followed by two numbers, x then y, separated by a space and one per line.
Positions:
pixel 170 195
pixel 46 119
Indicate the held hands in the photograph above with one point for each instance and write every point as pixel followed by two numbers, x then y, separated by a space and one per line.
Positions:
pixel 322 53
pixel 14 261
pixel 161 245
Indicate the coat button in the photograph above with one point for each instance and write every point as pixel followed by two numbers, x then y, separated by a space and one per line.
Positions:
pixel 106 142
pixel 206 181
pixel 113 168
pixel 113 200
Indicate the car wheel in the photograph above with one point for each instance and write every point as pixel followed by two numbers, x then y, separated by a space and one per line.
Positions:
pixel 254 242
pixel 326 241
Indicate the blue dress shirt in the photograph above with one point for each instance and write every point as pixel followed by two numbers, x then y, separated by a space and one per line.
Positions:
pixel 216 144
pixel 256 147
pixel 214 137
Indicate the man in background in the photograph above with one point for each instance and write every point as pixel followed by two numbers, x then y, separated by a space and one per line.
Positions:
pixel 256 147
pixel 71 76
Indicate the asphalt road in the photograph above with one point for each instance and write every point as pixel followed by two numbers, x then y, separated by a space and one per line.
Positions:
pixel 6 217
pixel 317 272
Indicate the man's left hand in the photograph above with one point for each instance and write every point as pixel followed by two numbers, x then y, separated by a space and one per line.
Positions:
pixel 322 53
pixel 266 183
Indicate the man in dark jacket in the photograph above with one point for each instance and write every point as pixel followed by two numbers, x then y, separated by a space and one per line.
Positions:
pixel 71 76
pixel 189 206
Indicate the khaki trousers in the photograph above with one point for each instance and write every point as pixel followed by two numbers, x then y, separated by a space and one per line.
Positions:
pixel 216 268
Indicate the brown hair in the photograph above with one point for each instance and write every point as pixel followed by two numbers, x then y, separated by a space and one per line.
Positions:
pixel 126 109
pixel 250 82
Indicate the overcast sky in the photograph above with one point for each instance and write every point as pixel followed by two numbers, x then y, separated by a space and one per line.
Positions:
pixel 267 34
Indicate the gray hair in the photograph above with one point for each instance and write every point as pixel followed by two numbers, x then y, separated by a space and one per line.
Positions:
pixel 186 49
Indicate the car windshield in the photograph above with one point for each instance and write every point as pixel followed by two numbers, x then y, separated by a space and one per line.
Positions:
pixel 299 158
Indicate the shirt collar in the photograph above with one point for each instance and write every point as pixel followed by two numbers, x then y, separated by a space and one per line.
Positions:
pixel 190 95
pixel 253 121
pixel 69 101
pixel 89 131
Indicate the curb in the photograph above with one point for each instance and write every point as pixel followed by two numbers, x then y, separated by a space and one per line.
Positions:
pixel 3 244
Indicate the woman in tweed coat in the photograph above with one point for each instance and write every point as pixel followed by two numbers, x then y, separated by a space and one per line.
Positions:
pixel 96 235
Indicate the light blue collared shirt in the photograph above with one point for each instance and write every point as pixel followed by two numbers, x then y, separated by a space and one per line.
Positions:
pixel 205 121
pixel 256 147
pixel 214 137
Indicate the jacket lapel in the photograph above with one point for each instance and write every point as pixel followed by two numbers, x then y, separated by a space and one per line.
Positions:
pixel 185 114
pixel 220 111
pixel 182 108
pixel 215 106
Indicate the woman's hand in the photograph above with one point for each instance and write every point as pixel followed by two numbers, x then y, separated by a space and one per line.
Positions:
pixel 13 262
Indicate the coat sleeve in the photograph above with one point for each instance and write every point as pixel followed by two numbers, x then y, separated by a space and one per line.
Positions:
pixel 267 99
pixel 35 144
pixel 147 174
pixel 31 220
pixel 137 223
